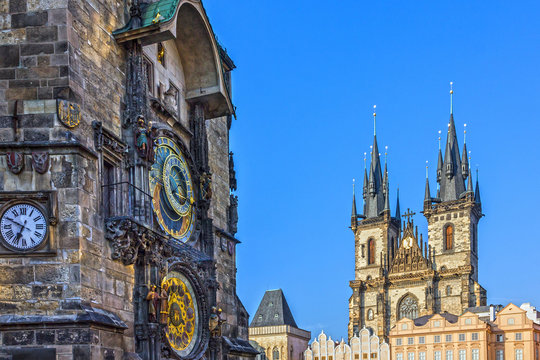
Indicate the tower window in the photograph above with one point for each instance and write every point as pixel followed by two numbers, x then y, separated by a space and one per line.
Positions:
pixel 275 354
pixel 449 237
pixel 448 290
pixel 371 251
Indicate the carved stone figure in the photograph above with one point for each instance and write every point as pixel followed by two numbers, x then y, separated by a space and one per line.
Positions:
pixel 142 137
pixel 215 322
pixel 163 306
pixel 151 146
pixel 171 98
pixel 15 162
pixel 206 186
pixel 232 173
pixel 40 162
pixel 134 17
pixel 233 214
pixel 153 302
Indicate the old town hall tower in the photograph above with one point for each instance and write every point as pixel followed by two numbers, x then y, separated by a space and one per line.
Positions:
pixel 399 275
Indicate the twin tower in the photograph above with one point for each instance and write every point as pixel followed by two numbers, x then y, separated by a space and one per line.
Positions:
pixel 399 275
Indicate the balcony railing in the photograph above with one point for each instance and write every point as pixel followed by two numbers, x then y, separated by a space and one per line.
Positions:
pixel 126 200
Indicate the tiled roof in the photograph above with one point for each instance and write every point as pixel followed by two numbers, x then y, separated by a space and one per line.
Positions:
pixel 273 310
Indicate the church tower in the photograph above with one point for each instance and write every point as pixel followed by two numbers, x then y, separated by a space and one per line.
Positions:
pixel 376 233
pixel 399 275
pixel 453 216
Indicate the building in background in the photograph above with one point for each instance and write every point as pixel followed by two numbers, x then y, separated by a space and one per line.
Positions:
pixel 274 331
pixel 512 333
pixel 117 207
pixel 364 346
pixel 397 274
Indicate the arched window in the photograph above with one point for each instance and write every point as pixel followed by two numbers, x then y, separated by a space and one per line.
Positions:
pixel 370 314
pixel 408 307
pixel 275 354
pixel 449 237
pixel 371 252
pixel 448 290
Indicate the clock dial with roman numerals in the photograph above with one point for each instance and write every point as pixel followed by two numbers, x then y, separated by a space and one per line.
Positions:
pixel 23 227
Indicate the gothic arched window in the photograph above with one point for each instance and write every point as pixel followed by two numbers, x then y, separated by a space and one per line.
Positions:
pixel 448 237
pixel 275 354
pixel 371 252
pixel 408 307
pixel 448 290
pixel 370 314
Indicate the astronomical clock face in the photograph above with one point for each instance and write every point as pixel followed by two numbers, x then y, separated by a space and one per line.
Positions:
pixel 23 227
pixel 182 328
pixel 172 190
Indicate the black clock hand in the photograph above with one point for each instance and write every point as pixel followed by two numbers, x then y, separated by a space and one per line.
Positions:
pixel 19 224
pixel 19 234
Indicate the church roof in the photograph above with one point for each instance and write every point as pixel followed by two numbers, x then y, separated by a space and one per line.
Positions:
pixel 273 310
pixel 423 320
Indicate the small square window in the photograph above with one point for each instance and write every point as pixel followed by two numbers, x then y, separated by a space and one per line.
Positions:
pixel 468 321
pixel 448 338
pixel 500 338
pixel 398 342
pixel 511 321
pixel 461 337
pixel 436 323
pixel 422 340
pixel 410 341
pixel 437 339
pixel 403 326
pixel 518 336
pixel 474 336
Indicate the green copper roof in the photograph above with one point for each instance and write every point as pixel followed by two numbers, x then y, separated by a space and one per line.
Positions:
pixel 149 16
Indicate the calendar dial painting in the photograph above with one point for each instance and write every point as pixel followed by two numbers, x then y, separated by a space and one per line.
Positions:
pixel 172 190
pixel 182 327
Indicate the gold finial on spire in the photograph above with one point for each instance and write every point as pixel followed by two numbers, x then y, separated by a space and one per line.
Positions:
pixel 370 149
pixel 451 97
pixel 385 153
pixel 365 160
pixel 374 120
pixel 464 133
pixel 426 169
pixel 439 139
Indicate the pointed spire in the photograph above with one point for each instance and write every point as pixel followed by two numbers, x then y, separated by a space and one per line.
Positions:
pixel 398 210
pixel 469 184
pixel 387 196
pixel 440 161
pixel 365 188
pixel 354 216
pixel 452 183
pixel 427 195
pixel 451 98
pixel 375 197
pixel 374 120
pixel 464 161
pixel 477 190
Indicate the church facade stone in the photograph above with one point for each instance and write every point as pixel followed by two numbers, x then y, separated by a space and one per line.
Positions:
pixel 114 125
pixel 397 274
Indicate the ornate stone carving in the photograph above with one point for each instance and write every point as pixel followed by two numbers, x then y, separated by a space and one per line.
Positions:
pixel 129 240
pixel 232 173
pixel 40 162
pixel 233 214
pixel 103 139
pixel 15 162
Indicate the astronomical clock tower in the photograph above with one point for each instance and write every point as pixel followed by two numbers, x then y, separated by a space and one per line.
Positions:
pixel 118 213
pixel 397 273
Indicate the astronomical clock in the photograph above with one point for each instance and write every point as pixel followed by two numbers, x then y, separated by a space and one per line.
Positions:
pixel 171 188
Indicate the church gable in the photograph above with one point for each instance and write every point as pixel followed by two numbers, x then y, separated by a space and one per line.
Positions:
pixel 412 255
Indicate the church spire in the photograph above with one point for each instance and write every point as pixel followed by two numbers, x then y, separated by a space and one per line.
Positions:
pixel 464 161
pixel 375 197
pixel 477 190
pixel 439 161
pixel 354 215
pixel 427 194
pixel 398 210
pixel 452 183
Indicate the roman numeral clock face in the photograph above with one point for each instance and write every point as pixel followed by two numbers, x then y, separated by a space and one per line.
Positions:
pixel 23 227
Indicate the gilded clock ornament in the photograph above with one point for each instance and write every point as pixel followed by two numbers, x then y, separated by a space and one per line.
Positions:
pixel 407 242
pixel 182 324
pixel 172 190
pixel 23 226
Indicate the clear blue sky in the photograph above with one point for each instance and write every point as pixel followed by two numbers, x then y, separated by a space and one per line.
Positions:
pixel 308 75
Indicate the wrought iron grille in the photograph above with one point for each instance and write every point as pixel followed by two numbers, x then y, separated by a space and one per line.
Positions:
pixel 123 199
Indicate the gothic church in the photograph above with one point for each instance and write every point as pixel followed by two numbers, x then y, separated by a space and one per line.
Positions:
pixel 399 275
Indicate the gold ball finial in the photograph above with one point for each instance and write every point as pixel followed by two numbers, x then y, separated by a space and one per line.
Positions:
pixel 374 108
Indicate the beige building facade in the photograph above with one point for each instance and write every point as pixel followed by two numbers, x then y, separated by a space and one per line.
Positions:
pixel 512 333
pixel 398 274
pixel 274 332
